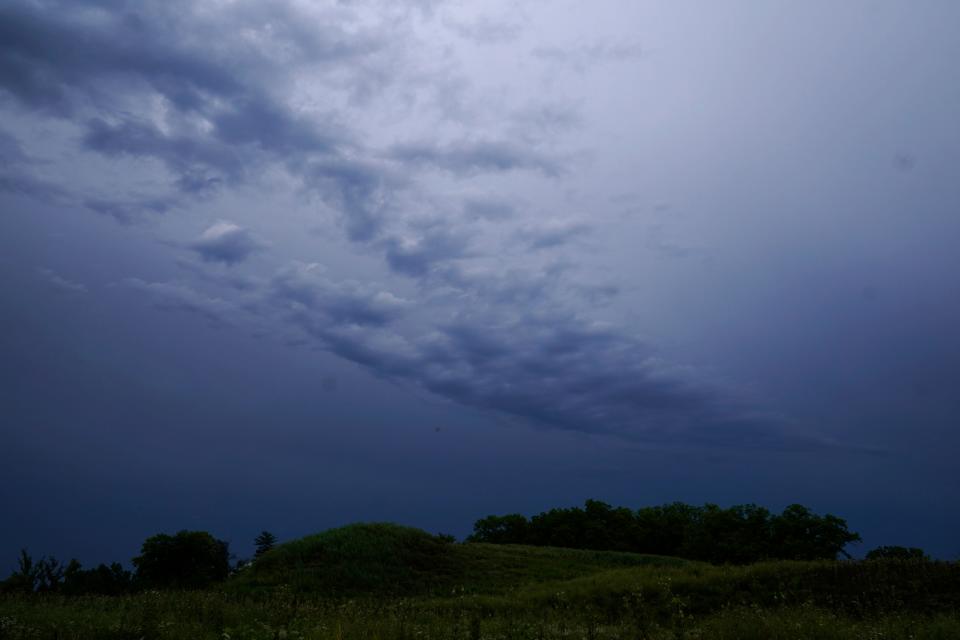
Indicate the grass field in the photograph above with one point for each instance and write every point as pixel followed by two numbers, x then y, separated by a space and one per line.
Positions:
pixel 385 582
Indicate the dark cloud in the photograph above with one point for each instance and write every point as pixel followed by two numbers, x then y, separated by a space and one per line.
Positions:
pixel 417 255
pixel 383 352
pixel 105 66
pixel 534 362
pixel 542 365
pixel 312 294
pixel 54 56
pixel 359 190
pixel 207 97
pixel 501 288
pixel 571 374
pixel 471 157
pixel 200 164
pixel 562 373
pixel 59 55
pixel 227 243
pixel 261 122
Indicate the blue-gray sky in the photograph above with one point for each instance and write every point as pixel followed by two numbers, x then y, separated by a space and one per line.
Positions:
pixel 289 265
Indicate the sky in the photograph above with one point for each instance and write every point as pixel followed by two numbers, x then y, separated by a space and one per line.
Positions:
pixel 291 265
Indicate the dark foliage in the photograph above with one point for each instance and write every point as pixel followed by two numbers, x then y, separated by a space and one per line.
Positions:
pixel 737 535
pixel 43 576
pixel 104 580
pixel 47 575
pixel 187 560
pixel 897 553
pixel 264 542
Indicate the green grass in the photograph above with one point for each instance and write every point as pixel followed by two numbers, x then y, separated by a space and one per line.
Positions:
pixel 384 582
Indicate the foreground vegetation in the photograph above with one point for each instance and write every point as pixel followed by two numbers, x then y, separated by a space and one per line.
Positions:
pixel 777 600
pixel 216 615
pixel 596 572
pixel 387 582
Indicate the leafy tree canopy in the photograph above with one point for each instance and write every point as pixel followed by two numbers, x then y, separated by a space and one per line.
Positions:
pixel 739 534
pixel 187 560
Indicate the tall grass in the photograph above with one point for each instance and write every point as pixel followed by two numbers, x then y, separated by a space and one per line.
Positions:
pixel 382 582
pixel 775 600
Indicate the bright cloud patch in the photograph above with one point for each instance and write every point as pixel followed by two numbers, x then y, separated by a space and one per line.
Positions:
pixel 226 242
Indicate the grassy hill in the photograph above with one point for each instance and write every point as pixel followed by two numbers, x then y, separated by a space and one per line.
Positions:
pixel 379 558
pixel 389 582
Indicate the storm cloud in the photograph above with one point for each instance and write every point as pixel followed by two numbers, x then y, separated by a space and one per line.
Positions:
pixel 727 234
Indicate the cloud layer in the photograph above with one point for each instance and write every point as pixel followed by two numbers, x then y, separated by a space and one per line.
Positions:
pixel 470 246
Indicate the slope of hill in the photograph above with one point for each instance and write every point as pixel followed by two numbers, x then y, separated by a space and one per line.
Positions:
pixel 387 558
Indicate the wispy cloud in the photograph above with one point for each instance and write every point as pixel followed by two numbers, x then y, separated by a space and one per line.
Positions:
pixel 61 283
pixel 466 157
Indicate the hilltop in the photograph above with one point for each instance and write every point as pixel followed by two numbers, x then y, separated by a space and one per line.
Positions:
pixel 388 558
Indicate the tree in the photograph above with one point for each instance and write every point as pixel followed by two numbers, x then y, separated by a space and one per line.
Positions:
pixel 800 534
pixel 665 530
pixel 44 575
pixel 509 529
pixel 50 574
pixel 264 542
pixel 24 578
pixel 897 553
pixel 738 535
pixel 105 580
pixel 187 560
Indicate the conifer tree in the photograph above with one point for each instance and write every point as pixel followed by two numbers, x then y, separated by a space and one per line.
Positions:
pixel 264 542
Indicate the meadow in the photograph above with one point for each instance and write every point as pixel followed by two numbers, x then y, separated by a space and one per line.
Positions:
pixel 386 582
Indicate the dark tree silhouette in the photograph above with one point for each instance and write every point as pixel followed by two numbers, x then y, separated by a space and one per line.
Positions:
pixel 43 575
pixel 895 552
pixel 264 542
pixel 509 529
pixel 740 534
pixel 187 560
pixel 105 580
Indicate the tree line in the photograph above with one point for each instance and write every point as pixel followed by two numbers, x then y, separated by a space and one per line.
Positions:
pixel 185 560
pixel 738 535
